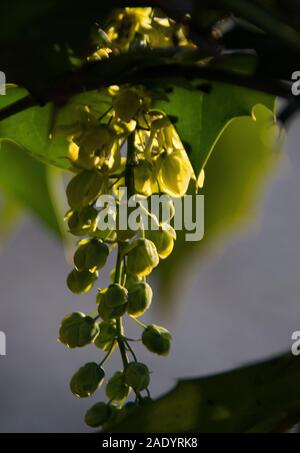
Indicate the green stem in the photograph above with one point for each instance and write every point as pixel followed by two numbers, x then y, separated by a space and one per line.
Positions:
pixel 129 182
pixel 129 177
pixel 121 343
pixel 119 267
pixel 108 354
pixel 131 350
pixel 140 323
pixel 119 325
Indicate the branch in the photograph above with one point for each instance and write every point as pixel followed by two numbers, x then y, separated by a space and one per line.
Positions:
pixel 252 13
pixel 91 77
pixel 259 17
pixel 17 107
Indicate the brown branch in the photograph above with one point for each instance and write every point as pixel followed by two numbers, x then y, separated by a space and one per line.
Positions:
pixel 91 77
pixel 17 107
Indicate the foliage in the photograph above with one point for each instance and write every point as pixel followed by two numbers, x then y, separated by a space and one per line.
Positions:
pixel 258 398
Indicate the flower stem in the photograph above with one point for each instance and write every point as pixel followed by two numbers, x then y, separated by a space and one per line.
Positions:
pixel 129 178
pixel 140 323
pixel 110 351
pixel 118 279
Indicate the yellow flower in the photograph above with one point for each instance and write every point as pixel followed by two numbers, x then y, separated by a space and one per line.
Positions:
pixel 126 23
pixel 141 17
pixel 96 146
pixel 145 178
pixel 174 172
pixel 100 54
pixel 126 104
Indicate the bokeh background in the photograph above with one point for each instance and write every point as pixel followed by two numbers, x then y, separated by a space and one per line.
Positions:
pixel 239 305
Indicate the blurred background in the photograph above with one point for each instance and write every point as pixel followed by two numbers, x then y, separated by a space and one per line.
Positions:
pixel 238 305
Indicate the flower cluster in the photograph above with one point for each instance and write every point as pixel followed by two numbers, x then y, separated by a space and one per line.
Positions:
pixel 135 28
pixel 136 146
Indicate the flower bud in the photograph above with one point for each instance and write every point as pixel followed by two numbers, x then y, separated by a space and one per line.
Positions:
pixel 81 281
pixel 163 238
pixel 116 295
pixel 144 178
pixel 77 330
pixel 175 172
pixel 107 335
pixel 92 255
pixel 96 138
pixel 81 222
pixel 142 257
pixel 97 415
pixel 87 380
pixel 85 187
pixel 116 389
pixel 137 376
pixel 157 339
pixel 88 160
pixel 107 311
pixel 139 298
pixel 126 104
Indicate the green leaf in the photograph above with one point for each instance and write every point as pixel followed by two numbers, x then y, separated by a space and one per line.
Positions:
pixel 43 131
pixel 263 397
pixel 204 109
pixel 26 180
pixel 239 168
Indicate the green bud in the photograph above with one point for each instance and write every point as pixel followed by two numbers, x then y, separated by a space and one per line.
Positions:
pixel 175 172
pixel 80 222
pixel 100 296
pixel 87 380
pixel 116 295
pixel 106 311
pixel 126 104
pixel 77 330
pixel 163 238
pixel 144 178
pixel 85 187
pixel 157 339
pixel 81 281
pixel 137 376
pixel 139 298
pixel 107 334
pixel 142 257
pixel 92 255
pixel 97 415
pixel 116 389
pixel 109 313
